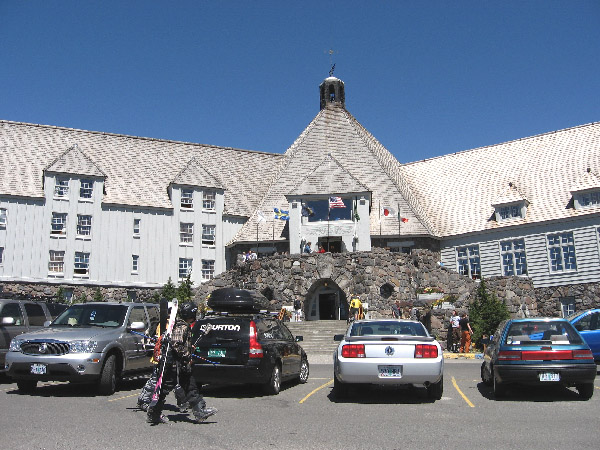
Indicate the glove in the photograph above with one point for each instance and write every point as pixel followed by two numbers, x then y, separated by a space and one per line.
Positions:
pixel 207 328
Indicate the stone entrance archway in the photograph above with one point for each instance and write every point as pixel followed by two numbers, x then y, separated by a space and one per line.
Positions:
pixel 325 301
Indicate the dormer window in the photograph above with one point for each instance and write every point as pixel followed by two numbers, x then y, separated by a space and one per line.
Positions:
pixel 511 205
pixel 510 212
pixel 86 187
pixel 586 191
pixel 61 188
pixel 187 198
pixel 587 199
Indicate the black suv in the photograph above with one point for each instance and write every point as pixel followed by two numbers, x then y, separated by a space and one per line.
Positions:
pixel 246 345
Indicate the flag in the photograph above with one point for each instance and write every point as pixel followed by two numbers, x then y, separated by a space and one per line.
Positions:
pixel 336 202
pixel 261 216
pixel 281 214
pixel 404 219
pixel 307 211
pixel 387 212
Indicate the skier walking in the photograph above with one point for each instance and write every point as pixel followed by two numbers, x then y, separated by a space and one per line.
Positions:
pixel 177 365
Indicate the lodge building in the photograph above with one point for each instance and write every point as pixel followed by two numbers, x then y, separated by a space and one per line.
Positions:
pixel 91 208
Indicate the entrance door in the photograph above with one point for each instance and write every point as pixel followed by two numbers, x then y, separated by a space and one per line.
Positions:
pixel 327 307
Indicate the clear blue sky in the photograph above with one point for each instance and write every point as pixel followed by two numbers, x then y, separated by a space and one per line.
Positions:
pixel 425 77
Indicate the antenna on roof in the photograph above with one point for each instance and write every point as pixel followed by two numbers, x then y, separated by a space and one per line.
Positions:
pixel 331 63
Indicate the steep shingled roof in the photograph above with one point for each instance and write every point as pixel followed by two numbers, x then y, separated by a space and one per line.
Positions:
pixel 336 132
pixel 458 190
pixel 138 170
pixel 74 161
pixel 194 174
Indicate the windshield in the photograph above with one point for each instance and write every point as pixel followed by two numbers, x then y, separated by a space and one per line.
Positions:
pixel 92 315
pixel 384 328
pixel 533 333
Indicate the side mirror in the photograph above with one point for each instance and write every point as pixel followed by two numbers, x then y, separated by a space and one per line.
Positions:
pixel 8 321
pixel 137 326
pixel 338 337
pixel 47 323
pixel 299 338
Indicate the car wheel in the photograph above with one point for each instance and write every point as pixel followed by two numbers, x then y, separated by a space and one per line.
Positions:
pixel 499 388
pixel 273 386
pixel 435 390
pixel 484 378
pixel 108 377
pixel 303 377
pixel 586 390
pixel 27 386
pixel 340 390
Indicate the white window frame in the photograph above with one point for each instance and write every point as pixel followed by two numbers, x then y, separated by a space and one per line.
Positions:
pixel 587 199
pixel 209 199
pixel 508 257
pixel 82 265
pixel 86 189
pixel 3 218
pixel 209 235
pixel 186 233
pixel 510 211
pixel 136 227
pixel 58 219
pixel 84 225
pixel 61 188
pixel 556 247
pixel 187 199
pixel 468 261
pixel 567 306
pixel 208 269
pixel 56 263
pixel 185 268
pixel 135 263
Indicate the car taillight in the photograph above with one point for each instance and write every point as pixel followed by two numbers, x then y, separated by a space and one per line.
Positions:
pixel 256 350
pixel 426 351
pixel 509 355
pixel 582 354
pixel 353 351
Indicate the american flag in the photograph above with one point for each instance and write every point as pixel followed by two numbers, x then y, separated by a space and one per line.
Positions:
pixel 336 202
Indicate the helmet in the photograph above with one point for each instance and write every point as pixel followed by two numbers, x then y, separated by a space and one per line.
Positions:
pixel 188 311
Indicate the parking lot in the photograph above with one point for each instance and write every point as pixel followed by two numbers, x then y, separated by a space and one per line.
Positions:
pixel 61 415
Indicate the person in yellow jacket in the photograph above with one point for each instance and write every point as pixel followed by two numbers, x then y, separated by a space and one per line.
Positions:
pixel 355 307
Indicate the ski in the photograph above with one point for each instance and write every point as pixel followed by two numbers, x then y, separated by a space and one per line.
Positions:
pixel 163 355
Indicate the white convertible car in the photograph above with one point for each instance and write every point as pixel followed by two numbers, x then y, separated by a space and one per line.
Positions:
pixel 388 352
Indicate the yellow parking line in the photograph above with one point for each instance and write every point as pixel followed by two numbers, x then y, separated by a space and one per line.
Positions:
pixel 317 389
pixel 121 398
pixel 461 394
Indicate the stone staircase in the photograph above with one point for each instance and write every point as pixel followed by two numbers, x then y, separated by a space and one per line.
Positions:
pixel 317 336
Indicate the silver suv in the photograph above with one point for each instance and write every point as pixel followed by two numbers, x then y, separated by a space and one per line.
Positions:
pixel 89 342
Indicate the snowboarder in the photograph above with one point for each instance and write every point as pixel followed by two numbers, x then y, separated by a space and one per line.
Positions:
pixel 177 361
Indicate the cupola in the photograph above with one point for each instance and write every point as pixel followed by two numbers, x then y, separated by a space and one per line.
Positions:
pixel 332 91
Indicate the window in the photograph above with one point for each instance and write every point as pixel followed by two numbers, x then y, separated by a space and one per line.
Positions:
pixel 187 200
pixel 138 314
pixel 136 227
pixel 513 257
pixel 135 262
pixel 319 210
pixel 57 262
pixel 208 234
pixel 468 261
pixel 61 188
pixel 84 225
pixel 82 263
pixel 208 269
pixel 510 212
pixel 12 310
pixel 587 199
pixel 59 223
pixel 208 200
pixel 1 255
pixel 561 248
pixel 2 218
pixel 186 233
pixel 185 267
pixel 35 315
pixel 86 188
pixel 567 306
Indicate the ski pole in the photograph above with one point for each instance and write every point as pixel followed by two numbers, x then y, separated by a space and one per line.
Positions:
pixel 143 335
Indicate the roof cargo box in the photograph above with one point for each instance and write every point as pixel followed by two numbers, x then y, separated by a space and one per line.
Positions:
pixel 237 301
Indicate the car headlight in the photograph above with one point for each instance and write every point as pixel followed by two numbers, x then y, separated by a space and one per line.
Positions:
pixel 82 346
pixel 15 345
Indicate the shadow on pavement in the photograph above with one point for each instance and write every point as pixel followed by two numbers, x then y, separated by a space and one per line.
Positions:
pixel 523 393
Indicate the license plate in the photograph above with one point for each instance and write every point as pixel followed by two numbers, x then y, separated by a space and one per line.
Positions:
pixel 549 376
pixel 38 369
pixel 390 371
pixel 216 353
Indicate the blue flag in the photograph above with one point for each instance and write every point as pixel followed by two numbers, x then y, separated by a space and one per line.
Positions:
pixel 281 214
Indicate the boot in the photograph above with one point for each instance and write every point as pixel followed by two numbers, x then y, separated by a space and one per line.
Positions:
pixel 202 414
pixel 155 415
